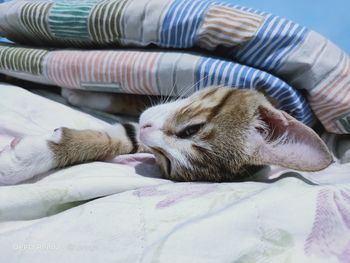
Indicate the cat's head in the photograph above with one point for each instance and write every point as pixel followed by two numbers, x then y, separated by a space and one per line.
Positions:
pixel 216 133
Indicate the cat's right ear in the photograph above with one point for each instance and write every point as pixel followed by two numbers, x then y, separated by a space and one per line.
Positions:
pixel 279 139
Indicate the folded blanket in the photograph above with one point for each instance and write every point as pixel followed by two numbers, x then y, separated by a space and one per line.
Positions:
pixel 139 217
pixel 302 58
pixel 146 72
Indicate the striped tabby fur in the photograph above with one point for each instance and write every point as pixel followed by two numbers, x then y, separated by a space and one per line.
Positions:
pixel 216 134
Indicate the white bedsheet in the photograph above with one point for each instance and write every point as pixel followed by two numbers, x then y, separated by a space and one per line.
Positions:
pixel 143 218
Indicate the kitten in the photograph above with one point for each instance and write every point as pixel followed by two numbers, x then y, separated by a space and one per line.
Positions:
pixel 216 134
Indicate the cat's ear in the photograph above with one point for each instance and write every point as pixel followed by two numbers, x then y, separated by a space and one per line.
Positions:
pixel 280 139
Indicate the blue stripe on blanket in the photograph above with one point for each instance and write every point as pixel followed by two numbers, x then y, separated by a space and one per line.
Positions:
pixel 180 25
pixel 274 41
pixel 179 32
pixel 219 72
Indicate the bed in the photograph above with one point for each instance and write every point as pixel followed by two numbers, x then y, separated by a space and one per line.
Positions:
pixel 123 210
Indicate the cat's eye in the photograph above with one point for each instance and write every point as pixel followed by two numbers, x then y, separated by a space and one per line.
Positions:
pixel 189 130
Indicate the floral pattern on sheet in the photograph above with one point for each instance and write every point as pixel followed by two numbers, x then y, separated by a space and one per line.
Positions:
pixel 176 194
pixel 330 234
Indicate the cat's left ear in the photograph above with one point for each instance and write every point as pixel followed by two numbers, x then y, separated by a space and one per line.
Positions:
pixel 281 140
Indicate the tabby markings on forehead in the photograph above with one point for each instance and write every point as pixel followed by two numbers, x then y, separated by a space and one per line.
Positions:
pixel 216 110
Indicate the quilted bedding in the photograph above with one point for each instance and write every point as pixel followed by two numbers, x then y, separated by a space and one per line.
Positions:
pixel 152 73
pixel 143 218
pixel 259 50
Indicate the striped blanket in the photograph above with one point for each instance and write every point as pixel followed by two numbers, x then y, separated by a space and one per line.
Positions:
pixel 146 73
pixel 237 46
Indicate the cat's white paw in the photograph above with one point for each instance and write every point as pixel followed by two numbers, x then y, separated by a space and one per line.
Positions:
pixel 72 96
pixel 26 157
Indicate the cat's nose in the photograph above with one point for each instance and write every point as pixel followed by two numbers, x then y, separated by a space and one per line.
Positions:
pixel 146 126
pixel 145 130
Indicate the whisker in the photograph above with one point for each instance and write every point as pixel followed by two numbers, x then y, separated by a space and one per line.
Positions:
pixel 150 100
pixel 186 90
pixel 171 92
pixel 161 96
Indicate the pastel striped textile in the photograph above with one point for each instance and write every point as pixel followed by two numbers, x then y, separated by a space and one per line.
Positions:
pixel 273 45
pixel 146 72
pixel 228 27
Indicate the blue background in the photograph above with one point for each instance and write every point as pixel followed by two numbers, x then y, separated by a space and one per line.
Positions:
pixel 329 18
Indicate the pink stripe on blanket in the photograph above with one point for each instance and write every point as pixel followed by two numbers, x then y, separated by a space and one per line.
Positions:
pixel 62 69
pixel 331 100
pixel 131 72
pixel 151 67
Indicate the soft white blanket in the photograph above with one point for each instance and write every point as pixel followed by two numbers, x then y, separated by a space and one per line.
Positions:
pixel 140 217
